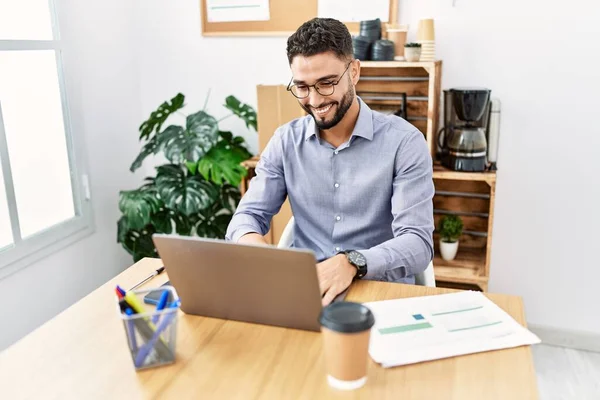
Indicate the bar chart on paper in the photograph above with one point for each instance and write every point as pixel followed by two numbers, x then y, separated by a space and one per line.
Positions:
pixel 419 329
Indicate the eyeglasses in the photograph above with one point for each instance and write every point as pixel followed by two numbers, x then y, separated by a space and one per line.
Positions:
pixel 324 88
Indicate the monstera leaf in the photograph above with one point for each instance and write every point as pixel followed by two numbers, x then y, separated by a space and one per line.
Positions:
pixel 212 222
pixel 229 197
pixel 152 147
pixel 202 131
pixel 222 163
pixel 138 243
pixel 158 117
pixel 167 221
pixel 182 191
pixel 137 205
pixel 181 145
pixel 244 111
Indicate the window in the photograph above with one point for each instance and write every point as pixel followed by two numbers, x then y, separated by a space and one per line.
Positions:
pixel 43 203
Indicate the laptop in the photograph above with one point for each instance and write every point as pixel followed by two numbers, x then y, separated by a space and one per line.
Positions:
pixel 257 284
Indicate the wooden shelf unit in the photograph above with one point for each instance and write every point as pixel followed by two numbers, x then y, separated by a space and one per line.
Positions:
pixel 470 195
pixel 420 81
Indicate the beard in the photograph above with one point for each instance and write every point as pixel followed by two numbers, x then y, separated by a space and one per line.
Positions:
pixel 342 108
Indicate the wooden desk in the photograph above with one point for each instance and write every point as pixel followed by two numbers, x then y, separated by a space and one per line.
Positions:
pixel 82 354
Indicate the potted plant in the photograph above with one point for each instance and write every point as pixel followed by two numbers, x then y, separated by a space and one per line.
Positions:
pixel 412 51
pixel 196 192
pixel 450 229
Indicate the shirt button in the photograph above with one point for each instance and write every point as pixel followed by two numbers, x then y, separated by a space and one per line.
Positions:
pixel 337 185
pixel 337 218
pixel 337 249
pixel 335 152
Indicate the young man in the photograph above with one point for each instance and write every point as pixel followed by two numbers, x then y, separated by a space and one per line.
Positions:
pixel 359 182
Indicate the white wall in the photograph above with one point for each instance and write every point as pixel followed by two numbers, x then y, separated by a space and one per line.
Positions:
pixel 539 59
pixel 175 57
pixel 547 193
pixel 102 72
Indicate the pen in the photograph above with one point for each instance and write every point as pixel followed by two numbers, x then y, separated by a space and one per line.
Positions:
pixel 121 291
pixel 131 327
pixel 161 304
pixel 157 272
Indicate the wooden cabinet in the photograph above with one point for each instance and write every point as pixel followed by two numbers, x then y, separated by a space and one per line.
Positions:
pixel 384 86
pixel 470 195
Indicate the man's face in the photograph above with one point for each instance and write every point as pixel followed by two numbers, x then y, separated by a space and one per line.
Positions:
pixel 325 69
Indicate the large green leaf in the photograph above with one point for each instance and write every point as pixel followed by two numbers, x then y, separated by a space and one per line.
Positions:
pixel 122 228
pixel 222 163
pixel 204 130
pixel 189 145
pixel 182 191
pixel 230 197
pixel 152 147
pixel 137 205
pixel 244 111
pixel 138 243
pixel 158 117
pixel 182 145
pixel 212 222
pixel 167 221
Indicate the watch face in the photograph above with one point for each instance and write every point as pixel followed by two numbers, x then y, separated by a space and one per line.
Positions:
pixel 357 259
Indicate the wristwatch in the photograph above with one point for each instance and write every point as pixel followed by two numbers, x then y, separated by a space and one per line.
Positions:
pixel 359 261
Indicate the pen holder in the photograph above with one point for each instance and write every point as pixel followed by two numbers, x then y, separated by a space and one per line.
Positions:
pixel 151 335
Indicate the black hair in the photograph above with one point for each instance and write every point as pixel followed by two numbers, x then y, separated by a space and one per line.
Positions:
pixel 320 35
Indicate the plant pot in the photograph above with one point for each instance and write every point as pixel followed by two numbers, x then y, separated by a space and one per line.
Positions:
pixel 412 54
pixel 448 250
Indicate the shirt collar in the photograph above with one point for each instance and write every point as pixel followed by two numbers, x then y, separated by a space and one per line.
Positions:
pixel 363 127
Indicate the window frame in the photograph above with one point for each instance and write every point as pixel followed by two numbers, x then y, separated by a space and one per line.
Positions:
pixel 23 252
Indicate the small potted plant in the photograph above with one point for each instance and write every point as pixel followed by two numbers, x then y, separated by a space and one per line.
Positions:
pixel 450 229
pixel 412 51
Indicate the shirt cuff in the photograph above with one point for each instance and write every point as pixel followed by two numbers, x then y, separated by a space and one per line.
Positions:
pixel 376 263
pixel 241 231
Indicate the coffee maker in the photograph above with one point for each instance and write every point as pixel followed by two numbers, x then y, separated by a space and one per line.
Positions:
pixel 463 141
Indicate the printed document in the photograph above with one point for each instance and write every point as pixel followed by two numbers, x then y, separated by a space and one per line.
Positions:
pixel 413 330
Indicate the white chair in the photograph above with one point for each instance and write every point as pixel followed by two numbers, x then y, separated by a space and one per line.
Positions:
pixel 425 278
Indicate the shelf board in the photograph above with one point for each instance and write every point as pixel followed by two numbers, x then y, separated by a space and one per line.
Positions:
pixel 467 267
pixel 467 257
pixel 458 275
pixel 398 64
pixel 441 172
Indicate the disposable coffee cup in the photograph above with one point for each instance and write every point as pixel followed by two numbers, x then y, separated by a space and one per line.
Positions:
pixel 426 30
pixel 346 330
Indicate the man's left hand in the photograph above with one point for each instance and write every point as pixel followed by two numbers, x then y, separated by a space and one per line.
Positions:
pixel 335 275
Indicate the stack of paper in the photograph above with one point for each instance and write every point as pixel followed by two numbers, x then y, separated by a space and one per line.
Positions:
pixel 419 329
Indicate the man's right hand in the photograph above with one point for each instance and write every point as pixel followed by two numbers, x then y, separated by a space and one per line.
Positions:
pixel 253 238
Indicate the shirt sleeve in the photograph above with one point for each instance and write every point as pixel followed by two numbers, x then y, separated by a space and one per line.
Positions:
pixel 265 196
pixel 411 249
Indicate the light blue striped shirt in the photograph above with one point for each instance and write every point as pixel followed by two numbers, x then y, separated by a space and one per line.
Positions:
pixel 372 194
